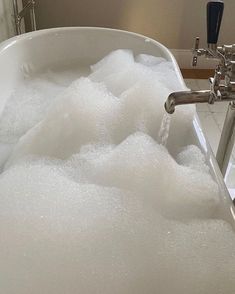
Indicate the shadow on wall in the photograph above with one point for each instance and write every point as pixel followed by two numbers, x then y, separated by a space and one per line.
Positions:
pixel 146 17
pixel 7 28
pixel 174 23
pixel 103 13
pixel 194 23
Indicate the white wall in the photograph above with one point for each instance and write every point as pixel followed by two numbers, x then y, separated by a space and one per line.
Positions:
pixel 7 29
pixel 175 23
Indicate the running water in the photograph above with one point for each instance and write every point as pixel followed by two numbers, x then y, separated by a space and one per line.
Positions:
pixel 164 129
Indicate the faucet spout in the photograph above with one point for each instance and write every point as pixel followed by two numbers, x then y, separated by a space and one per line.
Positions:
pixel 187 97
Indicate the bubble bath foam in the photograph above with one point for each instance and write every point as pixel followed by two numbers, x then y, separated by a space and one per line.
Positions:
pixel 94 198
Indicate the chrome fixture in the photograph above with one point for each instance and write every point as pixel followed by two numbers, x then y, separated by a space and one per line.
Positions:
pixel 222 85
pixel 19 15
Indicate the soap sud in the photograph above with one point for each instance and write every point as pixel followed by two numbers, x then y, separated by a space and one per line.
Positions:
pixel 144 167
pixel 119 72
pixel 149 60
pixel 192 157
pixel 89 112
pixel 106 239
pixel 82 115
pixel 5 151
pixel 102 239
pixel 114 62
pixel 25 108
pixel 28 104
pixel 92 201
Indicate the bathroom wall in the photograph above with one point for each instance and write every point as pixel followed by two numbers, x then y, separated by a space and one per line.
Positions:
pixel 175 23
pixel 7 28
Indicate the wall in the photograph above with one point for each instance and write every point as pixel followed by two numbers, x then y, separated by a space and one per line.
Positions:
pixel 7 29
pixel 175 23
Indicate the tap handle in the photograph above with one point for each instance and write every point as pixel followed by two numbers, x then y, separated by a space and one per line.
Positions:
pixel 214 17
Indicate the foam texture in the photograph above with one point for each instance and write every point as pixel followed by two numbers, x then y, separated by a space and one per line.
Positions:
pixel 92 202
pixel 60 235
pixel 114 102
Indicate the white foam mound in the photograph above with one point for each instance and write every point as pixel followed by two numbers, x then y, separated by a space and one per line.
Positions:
pixel 114 62
pixel 114 102
pixel 26 107
pixel 102 239
pixel 82 115
pixel 142 166
pixel 192 157
pixel 92 203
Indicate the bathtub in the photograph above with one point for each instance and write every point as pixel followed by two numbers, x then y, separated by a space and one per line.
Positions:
pixel 82 47
pixel 63 48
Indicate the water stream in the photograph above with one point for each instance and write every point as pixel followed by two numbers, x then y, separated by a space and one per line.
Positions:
pixel 164 129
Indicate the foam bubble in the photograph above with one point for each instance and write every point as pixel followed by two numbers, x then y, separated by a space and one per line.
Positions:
pixel 142 166
pixel 88 111
pixel 26 107
pixel 192 156
pixel 149 60
pixel 91 201
pixel 81 116
pixel 102 239
pixel 114 62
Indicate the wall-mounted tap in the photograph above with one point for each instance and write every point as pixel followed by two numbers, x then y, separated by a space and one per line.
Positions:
pixel 214 17
pixel 222 85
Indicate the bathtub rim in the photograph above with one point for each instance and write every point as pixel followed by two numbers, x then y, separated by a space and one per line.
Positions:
pixel 34 34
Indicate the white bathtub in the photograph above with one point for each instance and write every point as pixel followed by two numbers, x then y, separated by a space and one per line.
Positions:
pixel 66 47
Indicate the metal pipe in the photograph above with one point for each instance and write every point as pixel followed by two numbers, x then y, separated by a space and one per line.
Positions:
pixel 32 17
pixel 227 139
pixel 24 10
pixel 19 15
pixel 186 97
pixel 16 17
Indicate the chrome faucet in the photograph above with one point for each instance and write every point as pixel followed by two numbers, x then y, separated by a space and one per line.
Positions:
pixel 19 15
pixel 222 85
